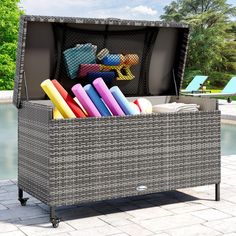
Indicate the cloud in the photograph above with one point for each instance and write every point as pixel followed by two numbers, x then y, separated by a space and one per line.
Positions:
pixel 93 8
pixel 141 9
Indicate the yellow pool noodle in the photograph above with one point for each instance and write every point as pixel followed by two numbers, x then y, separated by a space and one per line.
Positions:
pixel 57 99
pixel 56 114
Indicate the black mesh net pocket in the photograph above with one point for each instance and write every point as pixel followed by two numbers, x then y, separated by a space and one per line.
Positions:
pixel 115 53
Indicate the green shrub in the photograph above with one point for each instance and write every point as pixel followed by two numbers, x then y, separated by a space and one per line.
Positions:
pixel 218 80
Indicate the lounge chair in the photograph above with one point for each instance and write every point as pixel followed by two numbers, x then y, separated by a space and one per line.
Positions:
pixel 195 84
pixel 228 91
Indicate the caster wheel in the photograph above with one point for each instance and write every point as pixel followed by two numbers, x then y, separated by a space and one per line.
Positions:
pixel 23 201
pixel 55 222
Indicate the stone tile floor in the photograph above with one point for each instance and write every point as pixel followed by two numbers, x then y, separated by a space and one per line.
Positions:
pixel 185 212
pixel 228 110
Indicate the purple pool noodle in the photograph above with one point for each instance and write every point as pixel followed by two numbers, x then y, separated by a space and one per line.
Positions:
pixel 107 97
pixel 85 101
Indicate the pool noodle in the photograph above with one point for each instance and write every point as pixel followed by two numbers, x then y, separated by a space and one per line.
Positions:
pixel 96 100
pixel 69 100
pixel 86 102
pixel 122 101
pixel 56 114
pixel 57 99
pixel 107 97
pixel 135 107
pixel 80 105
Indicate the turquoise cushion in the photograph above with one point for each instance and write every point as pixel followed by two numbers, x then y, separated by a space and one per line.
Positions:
pixel 81 54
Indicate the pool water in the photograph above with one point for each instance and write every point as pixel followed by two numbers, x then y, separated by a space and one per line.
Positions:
pixel 228 139
pixel 8 141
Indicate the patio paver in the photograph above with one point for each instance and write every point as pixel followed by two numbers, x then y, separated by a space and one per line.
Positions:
pixel 191 210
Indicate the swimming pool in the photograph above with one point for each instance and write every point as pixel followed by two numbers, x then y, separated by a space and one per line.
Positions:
pixel 8 141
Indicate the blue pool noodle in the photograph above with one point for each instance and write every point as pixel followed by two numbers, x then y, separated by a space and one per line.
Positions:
pixel 122 101
pixel 96 100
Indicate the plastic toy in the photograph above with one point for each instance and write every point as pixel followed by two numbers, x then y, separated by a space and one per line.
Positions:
pixel 120 64
pixel 96 100
pixel 145 106
pixel 107 97
pixel 57 99
pixel 86 102
pixel 69 100
pixel 123 102
pixel 56 114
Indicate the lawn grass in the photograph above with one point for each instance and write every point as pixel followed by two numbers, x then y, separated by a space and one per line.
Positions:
pixel 218 91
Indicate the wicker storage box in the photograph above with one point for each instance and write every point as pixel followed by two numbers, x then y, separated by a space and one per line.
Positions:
pixel 71 161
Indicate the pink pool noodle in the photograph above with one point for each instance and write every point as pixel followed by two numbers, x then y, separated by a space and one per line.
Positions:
pixel 107 97
pixel 85 101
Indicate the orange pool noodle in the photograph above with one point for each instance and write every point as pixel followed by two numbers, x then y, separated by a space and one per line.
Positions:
pixel 69 100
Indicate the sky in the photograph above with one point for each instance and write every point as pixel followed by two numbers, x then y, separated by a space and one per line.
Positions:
pixel 124 9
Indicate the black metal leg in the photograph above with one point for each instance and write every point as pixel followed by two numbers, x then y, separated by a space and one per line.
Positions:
pixel 217 192
pixel 20 197
pixel 53 218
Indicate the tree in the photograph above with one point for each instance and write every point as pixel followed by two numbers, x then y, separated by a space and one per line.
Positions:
pixel 9 18
pixel 209 24
pixel 229 51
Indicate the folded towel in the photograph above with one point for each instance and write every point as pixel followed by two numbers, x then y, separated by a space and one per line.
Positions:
pixel 175 107
pixel 81 54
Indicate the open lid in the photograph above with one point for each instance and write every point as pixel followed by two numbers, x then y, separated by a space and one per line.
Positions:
pixel 161 47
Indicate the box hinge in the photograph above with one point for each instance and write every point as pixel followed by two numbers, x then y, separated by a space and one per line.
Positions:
pixel 174 79
pixel 26 87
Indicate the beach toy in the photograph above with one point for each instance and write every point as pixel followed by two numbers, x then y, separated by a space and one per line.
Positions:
pixel 56 114
pixel 81 54
pixel 85 68
pixel 122 101
pixel 120 64
pixel 108 76
pixel 57 99
pixel 145 106
pixel 131 59
pixel 85 101
pixel 107 97
pixel 135 107
pixel 113 60
pixel 103 53
pixel 96 100
pixel 80 105
pixel 69 100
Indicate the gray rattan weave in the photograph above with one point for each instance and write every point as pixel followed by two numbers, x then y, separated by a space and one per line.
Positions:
pixel 65 162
